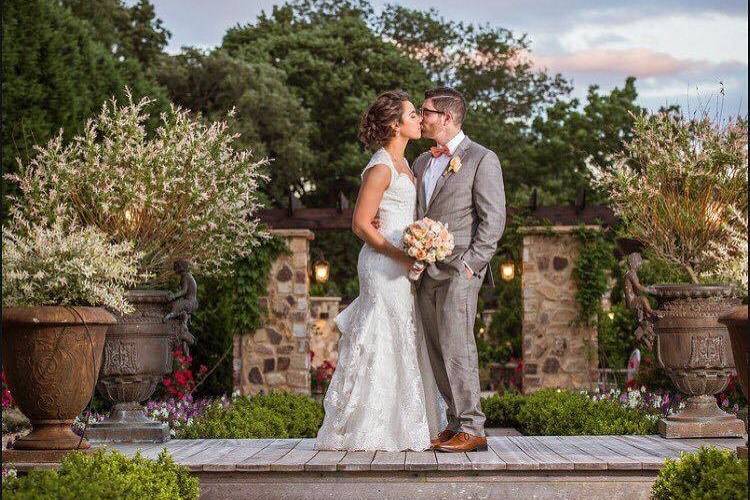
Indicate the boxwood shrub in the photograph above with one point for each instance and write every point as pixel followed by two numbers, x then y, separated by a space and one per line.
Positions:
pixel 105 474
pixel 275 415
pixel 551 413
pixel 709 473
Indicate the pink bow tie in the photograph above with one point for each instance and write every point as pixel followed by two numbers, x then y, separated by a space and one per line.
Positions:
pixel 439 151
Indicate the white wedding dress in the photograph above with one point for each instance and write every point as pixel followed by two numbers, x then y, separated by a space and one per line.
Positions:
pixel 383 395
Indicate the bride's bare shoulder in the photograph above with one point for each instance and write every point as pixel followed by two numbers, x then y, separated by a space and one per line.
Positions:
pixel 377 174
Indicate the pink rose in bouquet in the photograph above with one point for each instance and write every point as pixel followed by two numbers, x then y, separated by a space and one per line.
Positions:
pixel 427 241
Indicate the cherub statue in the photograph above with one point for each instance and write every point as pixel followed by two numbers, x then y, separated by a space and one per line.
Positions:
pixel 184 302
pixel 637 300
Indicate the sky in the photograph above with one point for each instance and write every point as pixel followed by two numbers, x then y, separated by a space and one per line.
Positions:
pixel 685 52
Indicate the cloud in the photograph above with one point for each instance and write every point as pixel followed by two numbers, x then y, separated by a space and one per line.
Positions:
pixel 638 62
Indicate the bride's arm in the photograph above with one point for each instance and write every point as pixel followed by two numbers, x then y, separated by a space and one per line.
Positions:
pixel 375 182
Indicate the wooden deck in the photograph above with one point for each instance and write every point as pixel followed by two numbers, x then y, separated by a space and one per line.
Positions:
pixel 532 467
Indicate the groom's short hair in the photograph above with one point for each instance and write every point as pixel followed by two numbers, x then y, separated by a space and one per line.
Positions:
pixel 448 99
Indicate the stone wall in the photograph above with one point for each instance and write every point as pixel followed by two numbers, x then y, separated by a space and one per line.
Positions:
pixel 555 353
pixel 276 356
pixel 324 337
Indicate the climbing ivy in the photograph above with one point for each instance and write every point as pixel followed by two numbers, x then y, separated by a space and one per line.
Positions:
pixel 229 305
pixel 590 272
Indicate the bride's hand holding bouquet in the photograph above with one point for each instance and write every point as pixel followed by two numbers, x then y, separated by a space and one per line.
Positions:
pixel 427 241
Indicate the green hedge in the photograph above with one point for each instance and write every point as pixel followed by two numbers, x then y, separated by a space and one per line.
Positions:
pixel 105 475
pixel 551 413
pixel 275 415
pixel 708 474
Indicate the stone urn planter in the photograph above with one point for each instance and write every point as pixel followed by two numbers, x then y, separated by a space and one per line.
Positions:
pixel 51 357
pixel 137 355
pixel 695 350
pixel 739 333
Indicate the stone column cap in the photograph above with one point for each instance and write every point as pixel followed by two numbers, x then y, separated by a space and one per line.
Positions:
pixel 556 229
pixel 294 233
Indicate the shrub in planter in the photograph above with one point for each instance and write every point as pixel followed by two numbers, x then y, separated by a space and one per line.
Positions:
pixel 680 188
pixel 183 192
pixel 106 475
pixel 52 336
pixel 242 419
pixel 709 473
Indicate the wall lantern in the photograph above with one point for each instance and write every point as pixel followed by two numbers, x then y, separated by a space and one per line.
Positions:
pixel 507 270
pixel 321 270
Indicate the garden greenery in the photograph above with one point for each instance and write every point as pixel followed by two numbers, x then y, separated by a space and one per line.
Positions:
pixel 182 192
pixel 230 306
pixel 707 474
pixel 680 188
pixel 106 474
pixel 276 415
pixel 590 272
pixel 551 412
pixel 61 264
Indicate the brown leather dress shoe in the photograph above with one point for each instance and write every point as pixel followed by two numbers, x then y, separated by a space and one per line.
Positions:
pixel 462 442
pixel 442 437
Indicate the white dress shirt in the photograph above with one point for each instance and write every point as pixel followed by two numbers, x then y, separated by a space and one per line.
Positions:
pixel 435 169
pixel 437 165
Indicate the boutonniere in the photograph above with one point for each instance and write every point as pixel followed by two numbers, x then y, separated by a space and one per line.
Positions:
pixel 453 166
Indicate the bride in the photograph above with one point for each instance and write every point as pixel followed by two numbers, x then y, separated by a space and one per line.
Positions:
pixel 382 395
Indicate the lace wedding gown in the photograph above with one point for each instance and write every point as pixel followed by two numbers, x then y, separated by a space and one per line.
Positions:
pixel 382 395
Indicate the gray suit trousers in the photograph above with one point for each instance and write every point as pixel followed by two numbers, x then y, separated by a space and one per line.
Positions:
pixel 448 308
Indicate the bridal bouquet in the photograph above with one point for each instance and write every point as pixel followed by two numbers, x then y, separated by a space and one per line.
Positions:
pixel 427 241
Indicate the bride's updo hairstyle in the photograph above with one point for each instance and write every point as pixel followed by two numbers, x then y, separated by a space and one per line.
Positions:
pixel 375 129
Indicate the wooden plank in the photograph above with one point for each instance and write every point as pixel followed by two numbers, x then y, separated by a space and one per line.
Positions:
pixel 547 459
pixel 262 460
pixel 420 460
pixel 211 448
pixel 580 459
pixel 195 446
pixel 452 461
pixel 388 460
pixel 512 455
pixel 594 447
pixel 237 451
pixel 677 445
pixel 325 460
pixel 647 460
pixel 654 448
pixel 485 460
pixel 297 457
pixel 356 460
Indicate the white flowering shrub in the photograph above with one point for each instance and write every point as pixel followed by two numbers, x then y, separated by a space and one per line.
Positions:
pixel 183 192
pixel 733 256
pixel 65 265
pixel 680 188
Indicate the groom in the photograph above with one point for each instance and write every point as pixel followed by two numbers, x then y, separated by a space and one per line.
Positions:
pixel 459 183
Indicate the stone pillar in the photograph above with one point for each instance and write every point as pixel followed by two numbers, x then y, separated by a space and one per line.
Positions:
pixel 555 353
pixel 276 356
pixel 324 338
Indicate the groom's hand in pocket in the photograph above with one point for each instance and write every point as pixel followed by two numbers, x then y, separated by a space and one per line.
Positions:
pixel 468 271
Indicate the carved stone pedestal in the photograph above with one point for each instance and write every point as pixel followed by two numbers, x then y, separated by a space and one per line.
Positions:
pixel 701 418
pixel 137 355
pixel 695 351
pixel 127 423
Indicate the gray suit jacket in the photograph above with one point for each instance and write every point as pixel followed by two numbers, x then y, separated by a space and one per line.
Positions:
pixel 472 204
